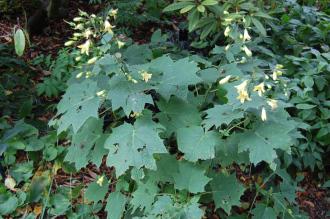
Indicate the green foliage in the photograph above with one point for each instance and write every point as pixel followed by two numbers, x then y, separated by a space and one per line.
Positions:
pixel 227 192
pixel 55 83
pixel 174 131
pixel 214 20
pixel 157 106
pixel 133 13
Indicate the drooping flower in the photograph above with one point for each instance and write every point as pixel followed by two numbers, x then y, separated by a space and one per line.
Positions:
pixel 77 19
pixel 146 76
pixel 243 94
pixel 69 43
pixel 92 60
pixel 225 79
pixel 87 33
pixel 108 27
pixel 260 88
pixel 272 103
pixel 113 13
pixel 246 36
pixel 263 114
pixel 84 48
pixel 247 51
pixel 277 71
pixel 227 30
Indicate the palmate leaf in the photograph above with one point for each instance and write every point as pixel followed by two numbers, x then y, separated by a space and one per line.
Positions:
pixel 96 192
pixel 171 77
pixel 227 152
pixel 134 145
pixel 128 95
pixel 166 208
pixel 221 114
pixel 227 191
pixel 197 144
pixel 79 103
pixel 190 177
pixel 177 76
pixel 137 54
pixel 8 205
pixel 262 141
pixel 176 114
pixel 261 211
pixel 144 196
pixel 83 142
pixel 115 205
pixel 183 174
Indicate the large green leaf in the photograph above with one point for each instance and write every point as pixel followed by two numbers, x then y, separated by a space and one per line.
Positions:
pixel 144 196
pixel 176 114
pixel 261 211
pixel 227 152
pixel 221 114
pixel 8 205
pixel 197 144
pixel 134 145
pixel 96 191
pixel 227 191
pixel 115 205
pixel 128 95
pixel 177 6
pixel 83 142
pixel 190 177
pixel 79 103
pixel 262 141
pixel 173 77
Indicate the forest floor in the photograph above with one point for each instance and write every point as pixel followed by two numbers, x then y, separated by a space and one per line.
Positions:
pixel 312 198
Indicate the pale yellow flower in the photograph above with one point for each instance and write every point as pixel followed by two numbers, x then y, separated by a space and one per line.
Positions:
pixel 146 76
pixel 135 114
pixel 227 30
pixel 279 66
pixel 247 51
pixel 242 86
pixel 84 48
pixel 100 181
pixel 130 78
pixel 263 114
pixel 77 19
pixel 118 55
pixel 277 71
pixel 120 44
pixel 101 93
pixel 79 27
pixel 272 103
pixel 225 79
pixel 92 60
pixel 243 95
pixel 260 88
pixel 246 36
pixel 113 13
pixel 69 43
pixel 108 27
pixel 88 33
pixel 10 183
